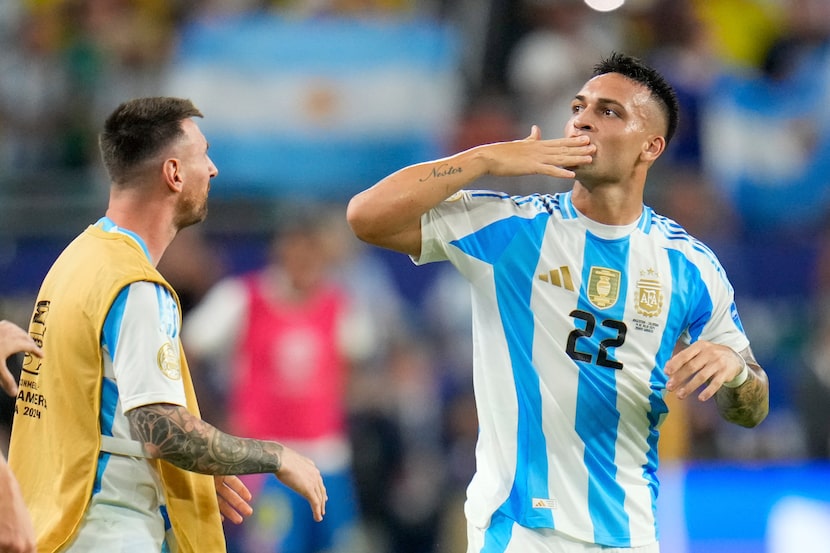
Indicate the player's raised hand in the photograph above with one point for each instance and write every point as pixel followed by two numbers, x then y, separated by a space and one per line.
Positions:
pixel 13 339
pixel 534 156
pixel 301 475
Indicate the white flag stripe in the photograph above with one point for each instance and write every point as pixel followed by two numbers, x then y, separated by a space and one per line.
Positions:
pixel 382 102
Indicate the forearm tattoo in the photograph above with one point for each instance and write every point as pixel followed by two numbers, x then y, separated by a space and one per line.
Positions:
pixel 171 433
pixel 443 170
pixel 748 404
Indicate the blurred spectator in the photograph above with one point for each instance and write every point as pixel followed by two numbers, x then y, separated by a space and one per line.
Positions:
pixel 68 63
pixel 741 30
pixel 291 334
pixel 548 64
pixel 813 390
pixel 34 93
pixel 345 7
pixel 192 265
pixel 767 137
pixel 682 47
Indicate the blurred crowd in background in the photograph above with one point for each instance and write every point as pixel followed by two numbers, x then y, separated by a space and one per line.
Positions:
pixel 748 173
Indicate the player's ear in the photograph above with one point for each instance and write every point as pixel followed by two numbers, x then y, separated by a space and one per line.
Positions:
pixel 171 172
pixel 653 147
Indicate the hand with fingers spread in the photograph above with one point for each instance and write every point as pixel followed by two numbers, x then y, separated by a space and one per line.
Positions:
pixel 301 475
pixel 389 213
pixel 234 498
pixel 13 339
pixel 535 156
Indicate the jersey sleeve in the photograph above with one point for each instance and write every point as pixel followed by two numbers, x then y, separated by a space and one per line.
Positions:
pixel 141 333
pixel 718 321
pixel 459 216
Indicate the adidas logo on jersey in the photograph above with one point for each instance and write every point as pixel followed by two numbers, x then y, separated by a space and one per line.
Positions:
pixel 559 277
pixel 539 503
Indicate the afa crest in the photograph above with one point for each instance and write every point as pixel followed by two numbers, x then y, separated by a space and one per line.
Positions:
pixel 603 287
pixel 649 294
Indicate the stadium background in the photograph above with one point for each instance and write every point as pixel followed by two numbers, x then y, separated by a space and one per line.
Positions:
pixel 311 101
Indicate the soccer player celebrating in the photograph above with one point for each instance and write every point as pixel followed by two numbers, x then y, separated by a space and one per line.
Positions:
pixel 579 301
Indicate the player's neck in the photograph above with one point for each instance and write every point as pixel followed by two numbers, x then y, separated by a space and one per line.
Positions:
pixel 155 230
pixel 607 204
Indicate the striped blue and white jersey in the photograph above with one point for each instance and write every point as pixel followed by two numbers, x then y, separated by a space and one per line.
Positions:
pixel 127 496
pixel 573 322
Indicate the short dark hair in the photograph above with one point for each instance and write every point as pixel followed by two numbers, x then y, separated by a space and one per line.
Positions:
pixel 138 129
pixel 634 69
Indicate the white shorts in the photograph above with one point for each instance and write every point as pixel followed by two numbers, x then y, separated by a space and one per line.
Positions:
pixel 541 540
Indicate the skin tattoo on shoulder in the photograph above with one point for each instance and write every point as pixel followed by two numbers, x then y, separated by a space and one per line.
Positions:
pixel 171 433
pixel 442 170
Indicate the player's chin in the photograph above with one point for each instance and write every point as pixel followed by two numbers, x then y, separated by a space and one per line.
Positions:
pixel 578 169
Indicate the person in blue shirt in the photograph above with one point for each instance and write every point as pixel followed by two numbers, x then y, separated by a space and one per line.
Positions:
pixel 588 308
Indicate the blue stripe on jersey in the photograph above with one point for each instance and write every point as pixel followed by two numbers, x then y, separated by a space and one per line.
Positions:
pixel 165 546
pixel 489 194
pixel 597 417
pixel 109 401
pixel 109 390
pixel 498 534
pixel 645 220
pixel 568 209
pixel 513 278
pixel 657 410
pixel 112 324
pixel 672 231
pixel 168 312
pixel 689 284
pixel 109 225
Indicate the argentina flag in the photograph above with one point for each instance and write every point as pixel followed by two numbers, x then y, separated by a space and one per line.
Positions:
pixel 295 107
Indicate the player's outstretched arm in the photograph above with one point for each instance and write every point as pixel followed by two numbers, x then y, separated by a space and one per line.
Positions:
pixel 171 433
pixel 389 213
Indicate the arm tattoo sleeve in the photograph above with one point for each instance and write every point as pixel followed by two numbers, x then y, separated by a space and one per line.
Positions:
pixel 748 404
pixel 171 433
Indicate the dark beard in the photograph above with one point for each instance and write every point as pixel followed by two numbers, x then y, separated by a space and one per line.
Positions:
pixel 191 217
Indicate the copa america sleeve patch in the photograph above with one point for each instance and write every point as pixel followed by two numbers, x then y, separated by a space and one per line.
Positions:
pixel 168 361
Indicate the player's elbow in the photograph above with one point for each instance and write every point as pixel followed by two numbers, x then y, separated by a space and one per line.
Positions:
pixel 756 416
pixel 362 219
pixel 384 224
